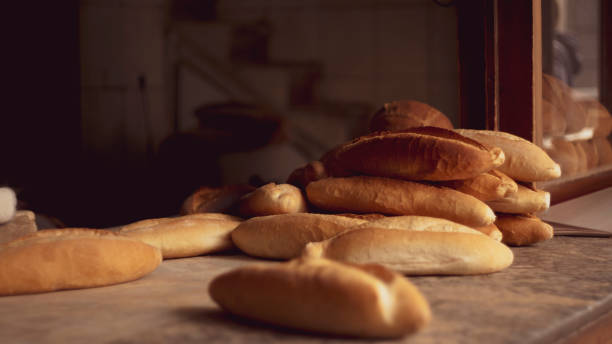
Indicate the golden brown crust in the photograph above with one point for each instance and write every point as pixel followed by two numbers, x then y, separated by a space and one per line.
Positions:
pixel 272 199
pixel 72 258
pixel 404 114
pixel 604 150
pixel 364 194
pixel 416 252
pixel 323 296
pixel 582 160
pixel 590 152
pixel 310 172
pixel 560 95
pixel 564 153
pixel 553 121
pixel 492 231
pixel 418 223
pixel 284 236
pixel 424 153
pixel 215 199
pixel 185 236
pixel 488 186
pixel 523 201
pixel 520 230
pixel 524 161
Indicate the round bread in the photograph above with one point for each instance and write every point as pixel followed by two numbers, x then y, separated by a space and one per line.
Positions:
pixel 524 161
pixel 404 114
pixel 598 117
pixel 488 186
pixel 272 199
pixel 319 295
pixel 284 236
pixel 523 201
pixel 424 153
pixel 363 194
pixel 185 236
pixel 520 230
pixel 73 258
pixel 8 204
pixel 416 252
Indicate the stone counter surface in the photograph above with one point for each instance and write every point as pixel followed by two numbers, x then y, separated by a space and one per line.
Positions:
pixel 551 290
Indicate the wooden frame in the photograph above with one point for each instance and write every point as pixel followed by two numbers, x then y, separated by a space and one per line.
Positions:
pixel 500 64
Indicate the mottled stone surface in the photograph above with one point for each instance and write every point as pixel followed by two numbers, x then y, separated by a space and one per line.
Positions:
pixel 550 290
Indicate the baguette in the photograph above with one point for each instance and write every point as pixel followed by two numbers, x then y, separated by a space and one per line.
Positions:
pixel 488 186
pixel 524 161
pixel 523 201
pixel 424 153
pixel 72 258
pixel 323 296
pixel 560 95
pixel 418 223
pixel 284 236
pixel 416 252
pixel 272 199
pixel 520 230
pixel 492 231
pixel 186 236
pixel 604 150
pixel 564 153
pixel 405 114
pixel 553 120
pixel 397 197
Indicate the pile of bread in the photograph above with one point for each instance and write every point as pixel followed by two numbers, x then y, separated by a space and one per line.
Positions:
pixel 575 132
pixel 413 197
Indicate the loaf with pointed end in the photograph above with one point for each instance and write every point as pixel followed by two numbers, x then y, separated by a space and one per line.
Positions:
pixel 50 260
pixel 425 153
pixel 523 201
pixel 404 114
pixel 520 230
pixel 524 160
pixel 284 236
pixel 488 186
pixel 492 231
pixel 272 199
pixel 416 252
pixel 364 194
pixel 323 296
pixel 185 236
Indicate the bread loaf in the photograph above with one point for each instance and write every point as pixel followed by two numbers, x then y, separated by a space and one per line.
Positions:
pixel 272 199
pixel 397 197
pixel 604 150
pixel 404 114
pixel 553 120
pixel 186 236
pixel 523 201
pixel 215 199
pixel 323 296
pixel 582 160
pixel 560 95
pixel 519 230
pixel 590 151
pixel 598 118
pixel 310 172
pixel 425 153
pixel 492 231
pixel 564 153
pixel 284 236
pixel 416 252
pixel 73 258
pixel 524 160
pixel 488 186
pixel 418 223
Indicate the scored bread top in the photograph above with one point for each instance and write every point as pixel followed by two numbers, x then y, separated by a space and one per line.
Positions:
pixel 423 153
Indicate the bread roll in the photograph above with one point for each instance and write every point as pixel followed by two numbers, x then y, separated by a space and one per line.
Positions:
pixel 398 197
pixel 564 153
pixel 8 204
pixel 604 150
pixel 416 252
pixel 491 231
pixel 73 258
pixel 524 160
pixel 215 199
pixel 272 199
pixel 418 223
pixel 404 114
pixel 488 186
pixel 310 172
pixel 553 120
pixel 519 230
pixel 323 296
pixel 185 236
pixel 523 201
pixel 425 153
pixel 284 236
